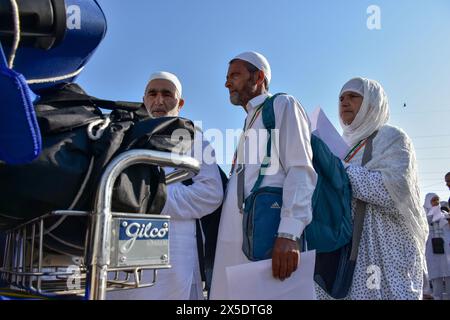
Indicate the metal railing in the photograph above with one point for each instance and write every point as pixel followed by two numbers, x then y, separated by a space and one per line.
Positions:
pixel 23 266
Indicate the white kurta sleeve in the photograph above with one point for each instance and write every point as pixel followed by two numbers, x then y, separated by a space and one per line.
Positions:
pixel 202 197
pixel 295 155
pixel 368 186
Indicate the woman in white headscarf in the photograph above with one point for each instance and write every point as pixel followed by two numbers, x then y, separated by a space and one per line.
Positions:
pixel 431 200
pixel 391 253
pixel 438 263
pixel 427 293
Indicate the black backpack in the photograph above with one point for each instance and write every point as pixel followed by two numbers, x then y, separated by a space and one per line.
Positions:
pixel 66 174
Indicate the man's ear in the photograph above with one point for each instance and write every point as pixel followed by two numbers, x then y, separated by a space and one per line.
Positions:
pixel 260 78
pixel 180 104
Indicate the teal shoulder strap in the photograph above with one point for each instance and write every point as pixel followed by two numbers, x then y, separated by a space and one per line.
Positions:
pixel 268 117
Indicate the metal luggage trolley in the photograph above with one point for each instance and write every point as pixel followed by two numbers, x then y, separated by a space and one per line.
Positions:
pixel 115 242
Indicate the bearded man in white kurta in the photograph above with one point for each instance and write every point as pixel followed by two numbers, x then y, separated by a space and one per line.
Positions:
pixel 247 81
pixel 184 204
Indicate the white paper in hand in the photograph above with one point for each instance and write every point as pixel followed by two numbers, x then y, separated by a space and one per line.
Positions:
pixel 322 127
pixel 254 281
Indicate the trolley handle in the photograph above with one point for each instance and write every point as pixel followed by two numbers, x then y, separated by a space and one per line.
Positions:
pixel 100 244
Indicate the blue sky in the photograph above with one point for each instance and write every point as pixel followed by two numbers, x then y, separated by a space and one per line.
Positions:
pixel 313 47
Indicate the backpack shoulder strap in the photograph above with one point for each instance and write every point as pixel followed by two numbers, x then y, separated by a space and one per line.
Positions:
pixel 268 113
pixel 360 210
pixel 268 117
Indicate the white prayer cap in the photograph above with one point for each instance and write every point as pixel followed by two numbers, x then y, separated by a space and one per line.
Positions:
pixel 355 85
pixel 163 75
pixel 258 60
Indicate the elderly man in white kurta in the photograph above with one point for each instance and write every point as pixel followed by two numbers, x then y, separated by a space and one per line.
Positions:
pixel 184 204
pixel 247 81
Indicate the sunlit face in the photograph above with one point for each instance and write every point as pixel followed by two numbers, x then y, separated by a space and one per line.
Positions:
pixel 349 105
pixel 241 84
pixel 435 201
pixel 162 99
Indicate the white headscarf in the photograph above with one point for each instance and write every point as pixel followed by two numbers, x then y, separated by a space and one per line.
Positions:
pixel 374 111
pixel 427 204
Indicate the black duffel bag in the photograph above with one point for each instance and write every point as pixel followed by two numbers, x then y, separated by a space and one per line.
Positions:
pixel 66 174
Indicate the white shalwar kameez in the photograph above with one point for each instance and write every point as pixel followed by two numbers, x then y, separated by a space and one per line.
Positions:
pixel 295 174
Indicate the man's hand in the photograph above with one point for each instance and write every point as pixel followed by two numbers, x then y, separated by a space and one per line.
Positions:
pixel 285 258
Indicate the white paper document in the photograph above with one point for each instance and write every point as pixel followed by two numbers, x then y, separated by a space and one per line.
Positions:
pixel 254 281
pixel 322 127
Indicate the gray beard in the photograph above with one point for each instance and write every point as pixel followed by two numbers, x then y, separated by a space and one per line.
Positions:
pixel 174 112
pixel 235 100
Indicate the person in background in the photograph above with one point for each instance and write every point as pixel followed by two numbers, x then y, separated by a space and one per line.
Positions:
pixel 438 248
pixel 444 206
pixel 447 182
pixel 427 291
